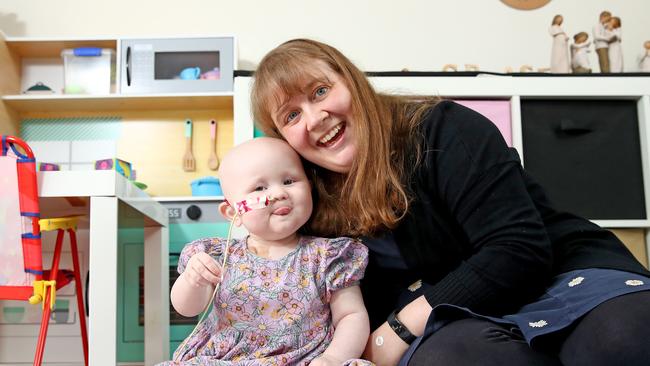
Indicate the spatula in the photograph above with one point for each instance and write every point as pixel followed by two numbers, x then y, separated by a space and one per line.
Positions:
pixel 188 159
pixel 213 160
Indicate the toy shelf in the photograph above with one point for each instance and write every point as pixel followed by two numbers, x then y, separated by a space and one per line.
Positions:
pixel 149 134
pixel 117 102
pixel 24 61
pixel 52 47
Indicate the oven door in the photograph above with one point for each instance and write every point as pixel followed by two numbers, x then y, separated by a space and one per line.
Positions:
pixel 131 291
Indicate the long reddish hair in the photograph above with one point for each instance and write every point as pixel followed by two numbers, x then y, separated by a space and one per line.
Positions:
pixel 372 196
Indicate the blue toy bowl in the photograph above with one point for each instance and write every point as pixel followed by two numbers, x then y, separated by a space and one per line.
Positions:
pixel 206 186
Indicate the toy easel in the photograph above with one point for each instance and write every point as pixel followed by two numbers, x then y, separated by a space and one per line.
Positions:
pixel 22 276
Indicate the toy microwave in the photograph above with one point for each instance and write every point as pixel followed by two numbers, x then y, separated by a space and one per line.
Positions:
pixel 177 65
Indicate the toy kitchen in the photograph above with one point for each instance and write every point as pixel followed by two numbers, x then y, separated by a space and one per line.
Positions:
pixel 158 111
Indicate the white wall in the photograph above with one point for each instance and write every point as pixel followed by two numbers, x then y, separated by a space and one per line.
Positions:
pixel 378 35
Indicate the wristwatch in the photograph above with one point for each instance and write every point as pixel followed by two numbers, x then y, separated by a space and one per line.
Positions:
pixel 399 328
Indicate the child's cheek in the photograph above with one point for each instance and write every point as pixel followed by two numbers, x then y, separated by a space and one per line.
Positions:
pixel 255 219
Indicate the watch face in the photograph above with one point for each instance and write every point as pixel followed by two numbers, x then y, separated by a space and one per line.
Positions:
pixel 526 4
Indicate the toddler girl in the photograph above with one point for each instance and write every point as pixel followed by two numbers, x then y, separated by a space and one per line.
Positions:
pixel 284 298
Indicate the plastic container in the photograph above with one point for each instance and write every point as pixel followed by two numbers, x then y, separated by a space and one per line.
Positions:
pixel 206 186
pixel 88 70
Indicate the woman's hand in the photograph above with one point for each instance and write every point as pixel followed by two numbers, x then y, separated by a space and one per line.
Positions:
pixel 326 360
pixel 384 347
pixel 202 270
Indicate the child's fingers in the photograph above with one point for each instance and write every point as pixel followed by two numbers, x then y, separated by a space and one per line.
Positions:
pixel 210 264
pixel 201 276
pixel 204 270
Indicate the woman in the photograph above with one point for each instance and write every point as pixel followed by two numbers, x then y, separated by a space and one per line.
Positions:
pixel 466 252
pixel 560 49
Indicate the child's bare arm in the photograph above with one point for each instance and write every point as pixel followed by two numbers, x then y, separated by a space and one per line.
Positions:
pixel 351 327
pixel 193 288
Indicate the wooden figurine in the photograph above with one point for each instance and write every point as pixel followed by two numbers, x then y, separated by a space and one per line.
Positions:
pixel 560 50
pixel 644 63
pixel 601 40
pixel 450 67
pixel 526 68
pixel 615 49
pixel 579 53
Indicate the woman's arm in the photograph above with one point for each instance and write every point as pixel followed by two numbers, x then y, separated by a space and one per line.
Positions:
pixel 474 185
pixel 384 347
pixel 351 327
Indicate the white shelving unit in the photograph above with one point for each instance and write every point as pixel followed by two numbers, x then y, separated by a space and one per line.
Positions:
pixel 515 89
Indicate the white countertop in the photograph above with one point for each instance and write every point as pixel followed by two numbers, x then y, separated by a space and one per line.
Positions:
pixel 76 185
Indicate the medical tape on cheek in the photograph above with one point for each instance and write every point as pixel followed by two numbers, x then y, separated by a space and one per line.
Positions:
pixel 252 204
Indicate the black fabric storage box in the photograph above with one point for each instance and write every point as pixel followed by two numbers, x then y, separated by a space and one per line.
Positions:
pixel 587 155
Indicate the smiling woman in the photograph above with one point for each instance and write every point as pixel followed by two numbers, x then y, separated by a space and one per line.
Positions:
pixel 465 246
pixel 313 97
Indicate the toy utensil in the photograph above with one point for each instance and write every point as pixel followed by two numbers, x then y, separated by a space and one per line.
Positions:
pixel 188 158
pixel 213 160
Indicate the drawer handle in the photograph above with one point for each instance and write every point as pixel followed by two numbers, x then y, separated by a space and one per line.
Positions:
pixel 129 66
pixel 573 127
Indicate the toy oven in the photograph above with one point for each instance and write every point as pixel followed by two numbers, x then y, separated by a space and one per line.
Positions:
pixel 188 221
pixel 177 65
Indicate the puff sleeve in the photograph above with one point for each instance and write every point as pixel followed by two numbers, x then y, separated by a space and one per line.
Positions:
pixel 212 246
pixel 345 263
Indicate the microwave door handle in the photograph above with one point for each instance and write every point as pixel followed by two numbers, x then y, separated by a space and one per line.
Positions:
pixel 128 66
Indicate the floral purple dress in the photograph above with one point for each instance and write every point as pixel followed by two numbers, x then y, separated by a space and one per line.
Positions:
pixel 272 312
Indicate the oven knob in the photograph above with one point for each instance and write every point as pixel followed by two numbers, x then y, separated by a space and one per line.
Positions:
pixel 193 212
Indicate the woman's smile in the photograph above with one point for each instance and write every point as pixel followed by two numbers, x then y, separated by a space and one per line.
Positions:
pixel 331 137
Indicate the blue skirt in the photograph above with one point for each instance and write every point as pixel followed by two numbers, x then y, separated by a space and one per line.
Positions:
pixel 572 295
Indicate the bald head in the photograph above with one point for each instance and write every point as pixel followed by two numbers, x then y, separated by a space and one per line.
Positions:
pixel 252 158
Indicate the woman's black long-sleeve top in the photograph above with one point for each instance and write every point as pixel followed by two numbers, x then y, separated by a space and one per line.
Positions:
pixel 479 230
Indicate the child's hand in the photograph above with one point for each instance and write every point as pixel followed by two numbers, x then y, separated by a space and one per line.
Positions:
pixel 202 270
pixel 325 360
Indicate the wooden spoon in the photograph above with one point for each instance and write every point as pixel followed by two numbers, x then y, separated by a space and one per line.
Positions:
pixel 213 160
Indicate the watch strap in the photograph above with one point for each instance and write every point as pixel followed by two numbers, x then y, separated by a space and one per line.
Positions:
pixel 400 329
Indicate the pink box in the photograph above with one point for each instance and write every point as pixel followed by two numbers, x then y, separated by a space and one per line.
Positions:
pixel 497 111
